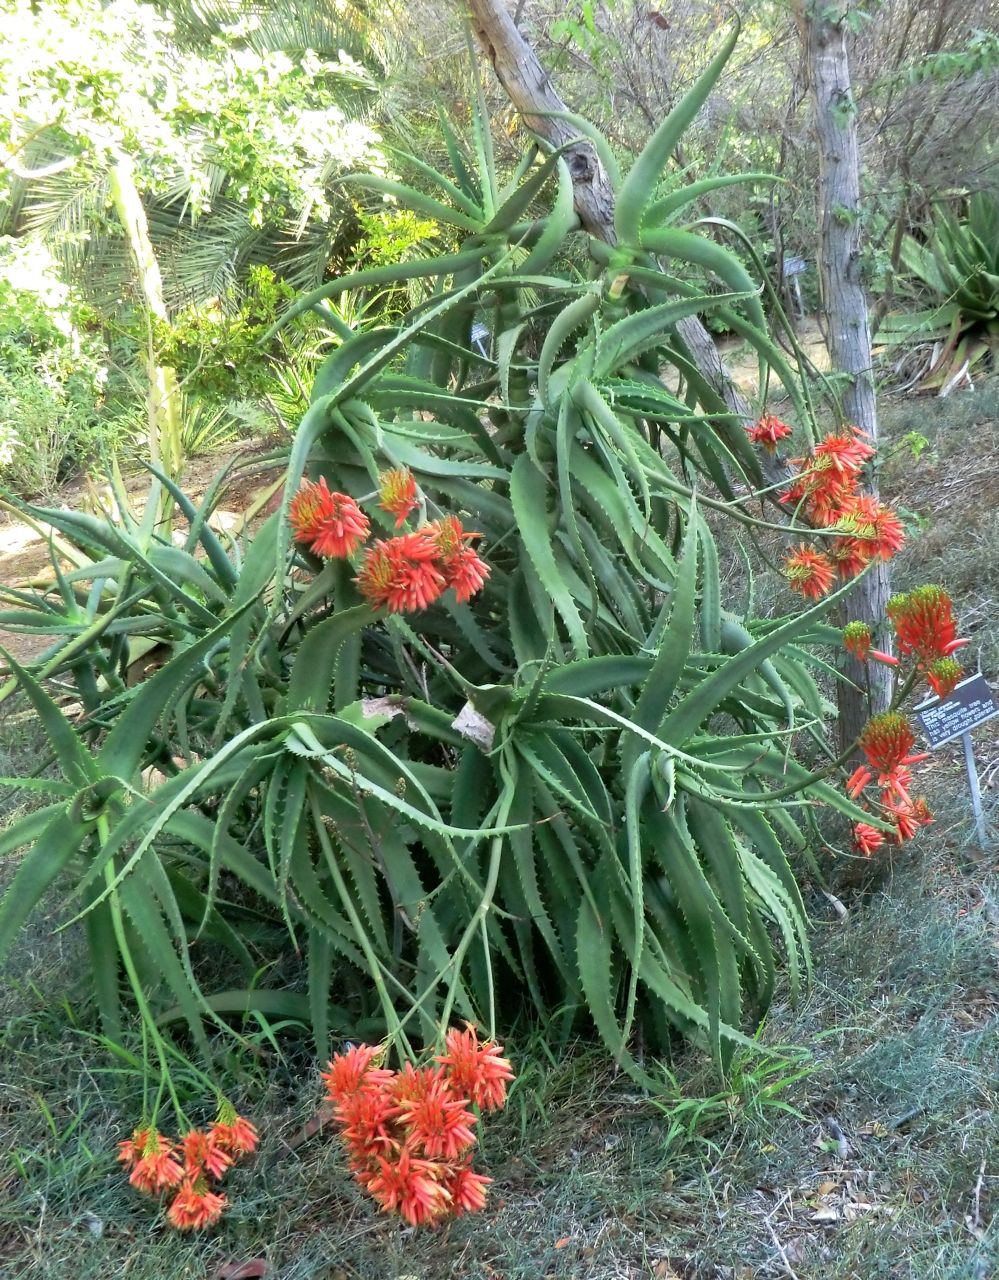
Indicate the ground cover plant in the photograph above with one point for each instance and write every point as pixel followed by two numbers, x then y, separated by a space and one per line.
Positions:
pixel 467 729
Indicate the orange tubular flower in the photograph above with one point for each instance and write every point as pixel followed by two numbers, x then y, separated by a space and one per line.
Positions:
pixel 871 527
pixel 409 1186
pixel 867 839
pixel 844 452
pixel 851 556
pixel 438 1121
pixel 195 1206
pixel 397 494
pixel 234 1134
pixel 857 640
pixel 306 510
pixel 353 1071
pixel 331 524
pixel 768 431
pixel 131 1151
pixel 943 675
pixel 402 574
pixel 478 1071
pixel 202 1154
pixel 462 568
pixel 908 818
pixel 809 572
pixel 157 1169
pixel 467 1190
pixel 924 623
pixel 365 1117
pixel 886 740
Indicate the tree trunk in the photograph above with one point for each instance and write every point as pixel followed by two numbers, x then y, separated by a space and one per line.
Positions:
pixel 844 303
pixel 165 448
pixel 529 88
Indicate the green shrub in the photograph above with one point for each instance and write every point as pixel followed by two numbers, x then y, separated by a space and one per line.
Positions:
pixel 53 371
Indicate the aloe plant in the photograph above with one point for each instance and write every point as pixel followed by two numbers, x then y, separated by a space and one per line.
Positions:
pixel 576 791
pixel 958 264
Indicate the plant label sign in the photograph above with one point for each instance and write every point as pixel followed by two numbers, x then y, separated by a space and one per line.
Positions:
pixel 969 705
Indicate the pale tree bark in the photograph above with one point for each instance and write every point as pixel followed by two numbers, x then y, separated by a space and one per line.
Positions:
pixel 824 37
pixel 165 447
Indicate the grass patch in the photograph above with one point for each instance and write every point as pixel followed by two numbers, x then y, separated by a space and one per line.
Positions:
pixel 880 1159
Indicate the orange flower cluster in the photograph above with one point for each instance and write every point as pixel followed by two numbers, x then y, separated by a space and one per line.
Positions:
pixel 403 574
pixel 768 431
pixel 924 623
pixel 330 524
pixel 826 492
pixel 887 741
pixel 157 1165
pixel 925 627
pixel 409 1133
pixel 409 572
pixel 397 494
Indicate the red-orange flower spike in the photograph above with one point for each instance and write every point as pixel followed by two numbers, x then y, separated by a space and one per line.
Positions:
pixel 355 1071
pixel 466 1189
pixel 908 817
pixel 886 741
pixel 809 572
pixel 131 1151
pixel 409 1185
pixel 867 839
pixel 366 1117
pixel 438 1122
pixel 478 1071
pixel 851 555
pixel 402 574
pixel 462 567
pixel 195 1207
pixel 397 494
pixel 234 1133
pixel 871 527
pixel 924 623
pixel 857 640
pixel 845 452
pixel 768 431
pixel 157 1169
pixel 203 1154
pixel 943 676
pixel 331 524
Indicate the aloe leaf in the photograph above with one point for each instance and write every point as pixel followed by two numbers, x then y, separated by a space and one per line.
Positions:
pixel 310 681
pixel 571 318
pixel 55 845
pixel 74 759
pixel 519 202
pixel 528 493
pixel 126 744
pixel 638 187
pixel 410 198
pixel 664 209
pixel 560 222
pixel 697 705
pixel 670 641
pixel 594 958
